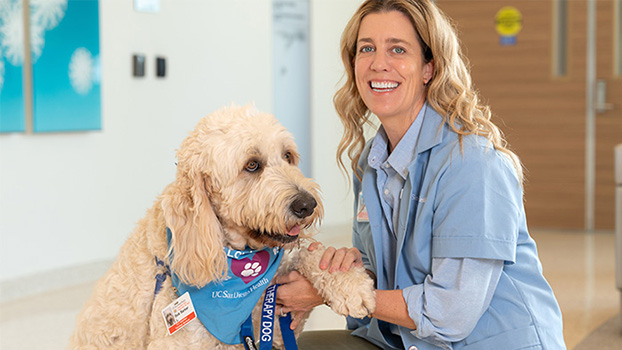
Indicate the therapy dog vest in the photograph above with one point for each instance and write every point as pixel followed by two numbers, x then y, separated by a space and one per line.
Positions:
pixel 224 306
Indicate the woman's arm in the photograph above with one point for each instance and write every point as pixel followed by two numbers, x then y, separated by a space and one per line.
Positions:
pixel 391 307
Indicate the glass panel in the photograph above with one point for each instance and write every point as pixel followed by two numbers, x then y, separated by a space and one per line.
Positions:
pixel 617 38
pixel 560 38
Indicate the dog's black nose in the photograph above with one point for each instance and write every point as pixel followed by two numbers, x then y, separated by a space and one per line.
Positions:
pixel 303 205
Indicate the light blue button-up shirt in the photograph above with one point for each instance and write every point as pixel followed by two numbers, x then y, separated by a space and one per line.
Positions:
pixel 451 280
pixel 461 210
pixel 392 172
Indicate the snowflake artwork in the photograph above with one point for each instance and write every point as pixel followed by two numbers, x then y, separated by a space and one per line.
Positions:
pixel 45 15
pixel 64 53
pixel 12 31
pixel 66 72
pixel 81 71
pixel 48 13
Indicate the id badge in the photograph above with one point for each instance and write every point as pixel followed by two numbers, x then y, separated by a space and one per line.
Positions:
pixel 361 212
pixel 178 313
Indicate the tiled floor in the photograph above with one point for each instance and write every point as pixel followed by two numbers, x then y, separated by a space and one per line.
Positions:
pixel 581 269
pixel 579 266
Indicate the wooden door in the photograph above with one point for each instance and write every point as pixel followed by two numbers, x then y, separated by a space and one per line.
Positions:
pixel 608 117
pixel 541 112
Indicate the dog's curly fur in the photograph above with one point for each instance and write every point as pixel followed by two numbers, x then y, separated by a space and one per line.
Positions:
pixel 237 185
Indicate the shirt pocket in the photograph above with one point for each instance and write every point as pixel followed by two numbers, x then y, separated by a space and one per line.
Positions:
pixel 515 339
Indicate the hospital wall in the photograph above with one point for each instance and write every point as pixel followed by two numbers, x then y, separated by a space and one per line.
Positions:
pixel 68 201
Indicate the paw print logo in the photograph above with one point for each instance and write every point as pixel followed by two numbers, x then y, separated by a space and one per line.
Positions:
pixel 248 269
pixel 251 269
pixel 275 250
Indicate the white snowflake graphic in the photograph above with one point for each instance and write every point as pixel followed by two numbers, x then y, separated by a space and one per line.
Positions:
pixel 37 41
pixel 12 31
pixel 84 70
pixel 47 13
pixel 81 69
pixel 44 15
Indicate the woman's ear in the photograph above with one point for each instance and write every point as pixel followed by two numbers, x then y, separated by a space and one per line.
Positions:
pixel 196 246
pixel 428 72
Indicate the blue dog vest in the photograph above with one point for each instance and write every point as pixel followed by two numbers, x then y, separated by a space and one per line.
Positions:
pixel 224 306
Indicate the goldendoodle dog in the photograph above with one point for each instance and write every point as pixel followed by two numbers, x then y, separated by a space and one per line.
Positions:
pixel 199 263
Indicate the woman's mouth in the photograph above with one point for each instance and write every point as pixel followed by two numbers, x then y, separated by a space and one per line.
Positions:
pixel 383 86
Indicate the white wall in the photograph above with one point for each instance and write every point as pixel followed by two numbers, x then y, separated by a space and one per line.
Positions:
pixel 71 199
pixel 328 19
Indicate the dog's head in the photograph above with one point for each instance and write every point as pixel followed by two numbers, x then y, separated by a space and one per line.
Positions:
pixel 238 184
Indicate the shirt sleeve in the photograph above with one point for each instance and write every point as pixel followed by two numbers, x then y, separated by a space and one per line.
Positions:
pixel 477 208
pixel 451 300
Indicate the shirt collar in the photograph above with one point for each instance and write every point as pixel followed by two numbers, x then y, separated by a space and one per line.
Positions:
pixel 404 152
pixel 379 149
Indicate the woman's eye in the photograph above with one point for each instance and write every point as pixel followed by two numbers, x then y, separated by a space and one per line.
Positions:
pixel 398 50
pixel 252 166
pixel 366 49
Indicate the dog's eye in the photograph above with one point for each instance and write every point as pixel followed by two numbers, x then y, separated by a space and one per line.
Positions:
pixel 252 166
pixel 288 157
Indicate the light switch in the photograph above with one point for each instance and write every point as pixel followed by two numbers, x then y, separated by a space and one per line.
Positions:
pixel 160 67
pixel 139 65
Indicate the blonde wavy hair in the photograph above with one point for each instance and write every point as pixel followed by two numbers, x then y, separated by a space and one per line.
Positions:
pixel 449 92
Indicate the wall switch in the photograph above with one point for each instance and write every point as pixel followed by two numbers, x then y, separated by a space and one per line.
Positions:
pixel 160 66
pixel 138 62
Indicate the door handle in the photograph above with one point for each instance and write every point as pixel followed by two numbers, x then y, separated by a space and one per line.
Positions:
pixel 602 105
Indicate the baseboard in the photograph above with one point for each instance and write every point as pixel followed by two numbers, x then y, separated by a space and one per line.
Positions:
pixel 48 281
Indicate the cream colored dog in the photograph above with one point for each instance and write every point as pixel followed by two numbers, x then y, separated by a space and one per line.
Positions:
pixel 237 186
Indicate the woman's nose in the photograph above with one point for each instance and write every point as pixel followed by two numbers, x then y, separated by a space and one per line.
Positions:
pixel 380 63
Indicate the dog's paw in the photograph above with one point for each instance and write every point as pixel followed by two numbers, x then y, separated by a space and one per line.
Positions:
pixel 352 295
pixel 349 293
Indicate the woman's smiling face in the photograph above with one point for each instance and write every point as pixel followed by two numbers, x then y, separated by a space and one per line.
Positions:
pixel 389 68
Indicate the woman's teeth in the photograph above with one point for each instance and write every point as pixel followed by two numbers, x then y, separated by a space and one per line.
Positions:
pixel 383 85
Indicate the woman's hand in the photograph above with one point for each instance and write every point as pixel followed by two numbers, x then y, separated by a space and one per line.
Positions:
pixel 296 295
pixel 338 259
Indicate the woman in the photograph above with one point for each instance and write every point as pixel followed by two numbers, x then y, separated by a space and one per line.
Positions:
pixel 439 220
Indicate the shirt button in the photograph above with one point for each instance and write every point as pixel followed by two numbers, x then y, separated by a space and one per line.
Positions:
pixel 386 192
pixel 412 347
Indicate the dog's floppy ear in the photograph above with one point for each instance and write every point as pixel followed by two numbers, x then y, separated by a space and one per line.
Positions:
pixel 196 246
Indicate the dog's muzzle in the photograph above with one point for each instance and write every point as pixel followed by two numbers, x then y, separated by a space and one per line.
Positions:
pixel 303 205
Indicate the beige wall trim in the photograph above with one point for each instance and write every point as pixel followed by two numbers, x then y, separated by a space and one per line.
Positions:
pixel 590 115
pixel 617 38
pixel 27 70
